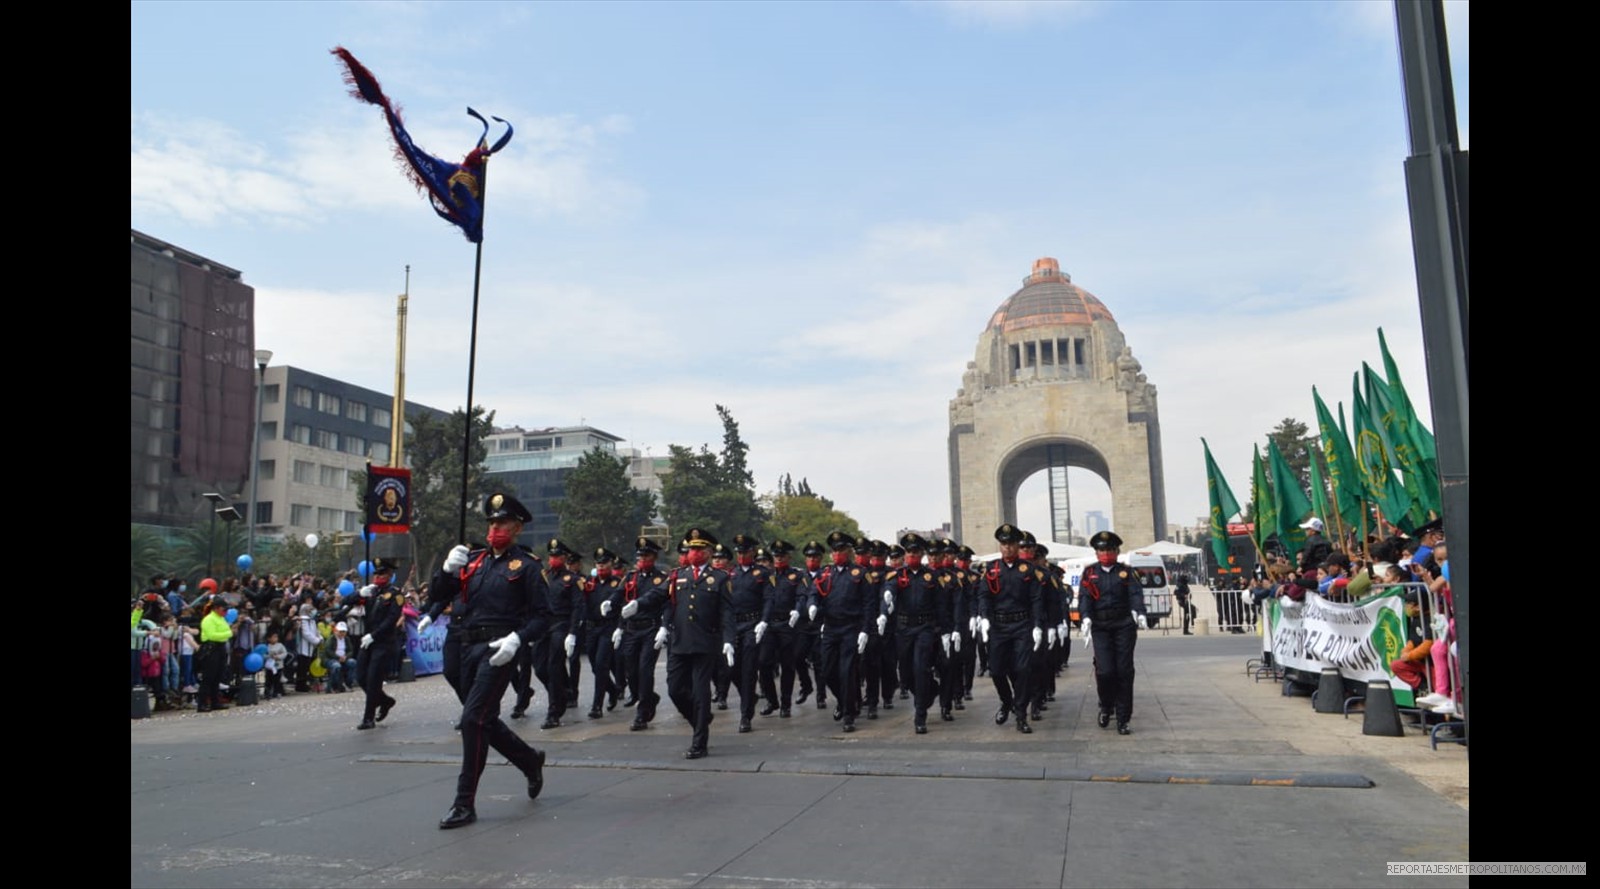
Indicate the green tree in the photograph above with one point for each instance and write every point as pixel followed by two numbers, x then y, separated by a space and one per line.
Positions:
pixel 433 450
pixel 293 556
pixel 711 491
pixel 147 556
pixel 220 542
pixel 1294 441
pixel 799 518
pixel 600 507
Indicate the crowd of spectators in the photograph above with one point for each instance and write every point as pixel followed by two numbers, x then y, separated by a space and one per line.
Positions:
pixel 305 629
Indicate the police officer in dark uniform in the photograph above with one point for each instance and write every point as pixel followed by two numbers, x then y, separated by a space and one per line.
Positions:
pixel 1112 601
pixel 951 647
pixel 498 603
pixel 750 584
pixel 721 672
pixel 550 653
pixel 844 602
pixel 1011 620
pixel 808 654
pixel 600 619
pixel 700 621
pixel 383 638
pixel 967 578
pixel 1043 680
pixel 875 669
pixel 917 598
pixel 781 613
pixel 644 595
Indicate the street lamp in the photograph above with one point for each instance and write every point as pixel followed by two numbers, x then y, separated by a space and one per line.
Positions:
pixel 217 501
pixel 229 513
pixel 262 357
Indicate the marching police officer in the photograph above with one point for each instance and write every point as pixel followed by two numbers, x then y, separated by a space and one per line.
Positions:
pixel 1011 620
pixel 600 618
pixel 750 584
pixel 918 600
pixel 949 656
pixel 643 596
pixel 843 600
pixel 699 618
pixel 781 613
pixel 1111 599
pixel 808 655
pixel 498 602
pixel 552 651
pixel 384 637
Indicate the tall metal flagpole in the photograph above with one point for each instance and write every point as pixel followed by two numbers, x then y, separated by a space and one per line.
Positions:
pixel 472 357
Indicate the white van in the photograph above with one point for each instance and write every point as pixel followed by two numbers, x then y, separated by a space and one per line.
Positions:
pixel 1152 576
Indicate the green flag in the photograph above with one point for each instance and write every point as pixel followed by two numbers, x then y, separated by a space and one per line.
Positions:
pixel 1263 505
pixel 1290 501
pixel 1342 471
pixel 1423 450
pixel 1397 445
pixel 1372 462
pixel 1319 491
pixel 1223 506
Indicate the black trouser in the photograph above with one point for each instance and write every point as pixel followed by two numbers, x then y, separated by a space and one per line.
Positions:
pixel 780 652
pixel 371 670
pixel 1042 680
pixel 839 669
pixel 580 644
pixel 1113 665
pixel 600 654
pixel 689 686
pixel 808 663
pixel 949 673
pixel 916 654
pixel 872 670
pixel 968 659
pixel 890 676
pixel 212 661
pixel 721 677
pixel 746 666
pixel 1010 663
pixel 639 654
pixel 480 685
pixel 550 665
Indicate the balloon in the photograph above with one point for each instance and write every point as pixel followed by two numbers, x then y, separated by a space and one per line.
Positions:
pixel 346 587
pixel 369 536
pixel 208 584
pixel 253 663
pixel 245 562
pixel 311 540
pixel 365 569
pixel 261 650
pixel 232 615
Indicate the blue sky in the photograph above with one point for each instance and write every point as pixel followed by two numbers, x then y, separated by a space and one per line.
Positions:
pixel 806 211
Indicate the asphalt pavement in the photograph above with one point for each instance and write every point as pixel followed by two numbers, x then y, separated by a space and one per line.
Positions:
pixel 1224 781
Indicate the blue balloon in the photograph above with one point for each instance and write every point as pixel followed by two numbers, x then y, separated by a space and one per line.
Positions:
pixel 232 615
pixel 365 569
pixel 245 562
pixel 346 587
pixel 253 662
pixel 369 536
pixel 260 649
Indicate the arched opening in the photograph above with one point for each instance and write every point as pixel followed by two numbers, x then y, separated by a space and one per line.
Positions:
pixel 1049 485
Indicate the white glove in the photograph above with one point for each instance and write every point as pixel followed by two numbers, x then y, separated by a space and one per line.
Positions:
pixel 861 643
pixel 605 608
pixel 425 623
pixel 457 558
pixel 945 641
pixel 727 652
pixel 1084 626
pixel 883 622
pixel 983 628
pixel 661 638
pixel 366 640
pixel 1140 620
pixel 794 617
pixel 955 642
pixel 811 613
pixel 1063 630
pixel 572 644
pixel 761 630
pixel 1050 636
pixel 368 590
pixel 1038 638
pixel 972 626
pixel 616 638
pixel 629 609
pixel 888 599
pixel 504 648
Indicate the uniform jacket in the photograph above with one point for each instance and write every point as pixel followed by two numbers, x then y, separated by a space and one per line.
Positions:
pixel 505 590
pixel 699 611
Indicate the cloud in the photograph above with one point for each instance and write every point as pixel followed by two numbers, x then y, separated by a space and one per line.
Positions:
pixel 1014 13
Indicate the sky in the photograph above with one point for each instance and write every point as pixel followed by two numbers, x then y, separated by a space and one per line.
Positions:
pixel 806 211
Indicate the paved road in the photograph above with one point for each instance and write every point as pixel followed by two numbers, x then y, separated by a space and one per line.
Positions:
pixel 1224 782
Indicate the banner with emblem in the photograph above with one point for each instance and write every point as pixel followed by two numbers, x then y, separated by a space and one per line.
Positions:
pixel 388 500
pixel 1361 639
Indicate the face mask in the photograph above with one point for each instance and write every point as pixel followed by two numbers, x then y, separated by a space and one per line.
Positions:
pixel 647 562
pixel 745 561
pixel 557 563
pixel 183 588
pixel 1107 558
pixel 696 557
pixel 913 560
pixel 877 562
pixel 780 562
pixel 841 558
pixel 603 572
pixel 813 563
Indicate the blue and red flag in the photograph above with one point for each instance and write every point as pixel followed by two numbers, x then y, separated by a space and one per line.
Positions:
pixel 455 190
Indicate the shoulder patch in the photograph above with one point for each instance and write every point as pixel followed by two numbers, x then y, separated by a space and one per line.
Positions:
pixel 514 565
pixel 926 577
pixel 855 572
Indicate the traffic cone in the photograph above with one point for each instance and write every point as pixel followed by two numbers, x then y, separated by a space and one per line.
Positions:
pixel 1381 716
pixel 1330 692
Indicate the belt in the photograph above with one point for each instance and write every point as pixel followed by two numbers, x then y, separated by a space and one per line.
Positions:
pixel 1010 617
pixel 639 623
pixel 915 620
pixel 747 616
pixel 485 633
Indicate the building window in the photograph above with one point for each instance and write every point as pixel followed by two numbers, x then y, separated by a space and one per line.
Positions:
pixel 328 404
pixel 264 512
pixel 269 431
pixel 325 438
pixel 355 410
pixel 300 515
pixel 1016 358
pixel 1047 352
pixel 352 521
pixel 334 477
pixel 507 445
pixel 332 519
pixel 303 397
pixel 538 444
pixel 270 394
pixel 267 470
pixel 380 453
pixel 355 444
pixel 305 473
pixel 380 417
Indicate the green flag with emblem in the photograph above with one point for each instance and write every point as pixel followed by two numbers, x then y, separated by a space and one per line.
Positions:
pixel 1343 474
pixel 1289 500
pixel 1262 504
pixel 1223 506
pixel 1372 462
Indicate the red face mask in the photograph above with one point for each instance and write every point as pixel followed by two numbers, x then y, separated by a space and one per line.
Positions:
pixel 603 572
pixel 780 562
pixel 1106 557
pixel 746 560
pixel 813 563
pixel 913 560
pixel 696 556
pixel 963 564
pixel 841 558
pixel 557 563
pixel 647 562
pixel 877 562
pixel 500 538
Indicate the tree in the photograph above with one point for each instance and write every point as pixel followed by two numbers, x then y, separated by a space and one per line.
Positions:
pixel 798 518
pixel 146 555
pixel 1295 444
pixel 600 507
pixel 221 542
pixel 705 490
pixel 293 556
pixel 434 451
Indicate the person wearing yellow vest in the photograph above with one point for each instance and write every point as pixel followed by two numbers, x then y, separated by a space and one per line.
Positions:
pixel 215 634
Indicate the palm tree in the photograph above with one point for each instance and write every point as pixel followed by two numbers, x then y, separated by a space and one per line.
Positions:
pixel 146 554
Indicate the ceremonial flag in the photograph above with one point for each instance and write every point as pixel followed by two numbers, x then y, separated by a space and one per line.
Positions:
pixel 1289 501
pixel 388 500
pixel 1342 469
pixel 455 190
pixel 1399 446
pixel 1223 506
pixel 1372 461
pixel 1263 505
pixel 1319 490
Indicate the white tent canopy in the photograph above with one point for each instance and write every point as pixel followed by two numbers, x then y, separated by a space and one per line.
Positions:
pixel 1162 548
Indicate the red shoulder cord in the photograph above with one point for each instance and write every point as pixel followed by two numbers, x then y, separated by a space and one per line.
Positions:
pixel 824 582
pixel 1086 580
pixel 993 577
pixel 630 586
pixel 471 569
pixel 672 589
pixel 905 578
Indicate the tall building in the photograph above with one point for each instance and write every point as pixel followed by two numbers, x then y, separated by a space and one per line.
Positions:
pixel 534 465
pixel 193 383
pixel 1095 521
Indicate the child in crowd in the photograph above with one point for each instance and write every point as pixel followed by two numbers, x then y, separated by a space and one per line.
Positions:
pixel 277 652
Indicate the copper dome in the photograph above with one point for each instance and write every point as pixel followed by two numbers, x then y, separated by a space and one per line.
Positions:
pixel 1048 298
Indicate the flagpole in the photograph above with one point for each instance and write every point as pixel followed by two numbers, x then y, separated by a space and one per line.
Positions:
pixel 472 365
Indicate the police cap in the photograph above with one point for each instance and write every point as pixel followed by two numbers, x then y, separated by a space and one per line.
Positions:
pixel 699 537
pixel 1105 540
pixel 841 540
pixel 813 548
pixel 743 542
pixel 782 547
pixel 500 505
pixel 913 541
pixel 1008 533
